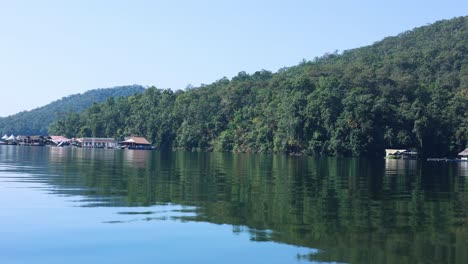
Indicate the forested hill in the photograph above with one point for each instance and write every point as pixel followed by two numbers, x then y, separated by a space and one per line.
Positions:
pixel 407 91
pixel 37 121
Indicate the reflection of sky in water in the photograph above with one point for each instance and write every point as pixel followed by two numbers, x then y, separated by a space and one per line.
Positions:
pixel 40 227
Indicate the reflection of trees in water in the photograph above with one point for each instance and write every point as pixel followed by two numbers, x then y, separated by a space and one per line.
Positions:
pixel 352 210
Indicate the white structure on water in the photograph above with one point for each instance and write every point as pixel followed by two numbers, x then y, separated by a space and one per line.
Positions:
pixel 464 154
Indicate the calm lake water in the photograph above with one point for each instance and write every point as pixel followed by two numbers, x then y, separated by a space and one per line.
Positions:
pixel 64 205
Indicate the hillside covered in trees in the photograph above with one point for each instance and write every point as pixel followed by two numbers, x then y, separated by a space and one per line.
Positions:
pixel 407 91
pixel 37 121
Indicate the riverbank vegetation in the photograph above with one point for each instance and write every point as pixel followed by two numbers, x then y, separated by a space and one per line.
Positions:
pixel 410 90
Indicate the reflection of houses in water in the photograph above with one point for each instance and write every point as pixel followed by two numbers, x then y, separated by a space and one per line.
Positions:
pixel 463 169
pixel 463 165
pixel 96 142
pixel 136 158
pixel 59 154
pixel 398 166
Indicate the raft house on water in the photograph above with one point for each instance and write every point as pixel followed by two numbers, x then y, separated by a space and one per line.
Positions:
pixel 136 143
pixel 89 142
pixel 463 155
pixel 32 140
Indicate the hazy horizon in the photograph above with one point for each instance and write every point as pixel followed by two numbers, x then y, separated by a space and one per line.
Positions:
pixel 53 49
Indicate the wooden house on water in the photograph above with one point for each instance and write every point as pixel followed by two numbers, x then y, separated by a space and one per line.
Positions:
pixel 33 140
pixel 136 143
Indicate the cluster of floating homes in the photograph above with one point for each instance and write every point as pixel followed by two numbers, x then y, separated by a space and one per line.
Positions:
pixel 132 142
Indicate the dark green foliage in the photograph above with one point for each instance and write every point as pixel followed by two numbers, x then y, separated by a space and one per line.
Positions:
pixel 408 91
pixel 37 121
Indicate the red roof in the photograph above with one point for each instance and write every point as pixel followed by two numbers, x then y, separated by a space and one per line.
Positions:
pixel 59 139
pixel 463 153
pixel 137 140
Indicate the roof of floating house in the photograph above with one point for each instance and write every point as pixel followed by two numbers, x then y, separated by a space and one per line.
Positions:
pixel 463 153
pixel 21 137
pixel 59 139
pixel 394 151
pixel 12 137
pixel 136 140
pixel 37 137
pixel 5 137
pixel 400 151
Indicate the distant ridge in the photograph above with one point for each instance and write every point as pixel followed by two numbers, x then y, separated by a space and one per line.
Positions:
pixel 37 121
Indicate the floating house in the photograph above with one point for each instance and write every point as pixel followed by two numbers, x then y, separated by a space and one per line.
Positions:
pixel 38 140
pixel 20 138
pixel 3 140
pixel 401 154
pixel 32 140
pixel 60 141
pixel 96 142
pixel 393 153
pixel 136 143
pixel 464 154
pixel 11 140
pixel 8 140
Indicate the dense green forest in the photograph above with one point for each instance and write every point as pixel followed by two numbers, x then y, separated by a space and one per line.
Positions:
pixel 407 91
pixel 37 121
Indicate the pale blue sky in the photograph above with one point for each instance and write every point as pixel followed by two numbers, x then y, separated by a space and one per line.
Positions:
pixel 50 49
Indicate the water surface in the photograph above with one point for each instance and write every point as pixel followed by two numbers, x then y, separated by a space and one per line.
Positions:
pixel 65 205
